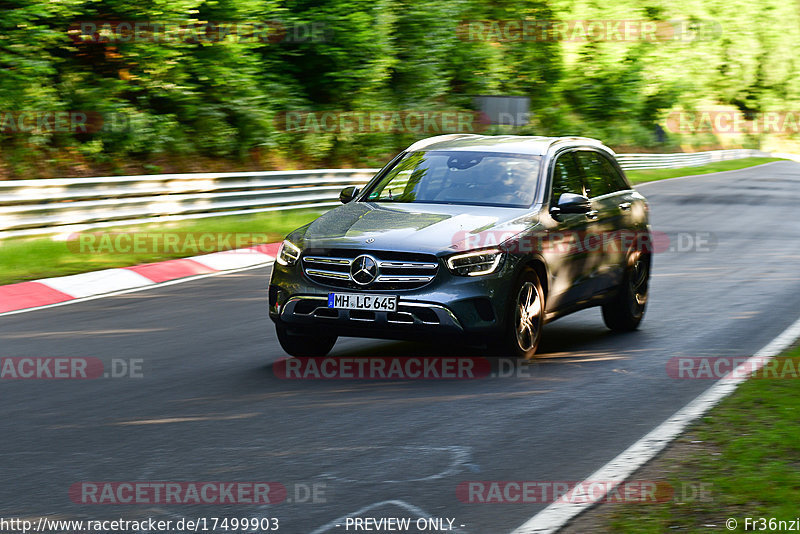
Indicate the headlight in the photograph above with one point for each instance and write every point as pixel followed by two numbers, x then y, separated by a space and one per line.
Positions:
pixel 475 263
pixel 288 253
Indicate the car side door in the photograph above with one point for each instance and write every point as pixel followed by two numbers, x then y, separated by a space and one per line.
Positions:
pixel 570 283
pixel 609 213
pixel 621 202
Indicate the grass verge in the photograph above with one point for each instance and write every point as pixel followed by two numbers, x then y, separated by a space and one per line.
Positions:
pixel 650 175
pixel 30 259
pixel 744 455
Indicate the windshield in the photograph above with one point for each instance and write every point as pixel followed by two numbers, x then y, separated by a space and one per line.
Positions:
pixel 456 177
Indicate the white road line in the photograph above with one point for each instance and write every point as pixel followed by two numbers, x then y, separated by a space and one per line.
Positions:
pixel 137 289
pixel 555 516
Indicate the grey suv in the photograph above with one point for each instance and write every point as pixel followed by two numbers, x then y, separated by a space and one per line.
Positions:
pixel 481 238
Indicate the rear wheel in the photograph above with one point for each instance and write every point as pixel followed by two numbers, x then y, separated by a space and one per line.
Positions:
pixel 304 343
pixel 525 318
pixel 624 312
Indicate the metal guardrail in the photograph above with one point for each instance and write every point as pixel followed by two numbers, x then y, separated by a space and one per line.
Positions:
pixel 63 206
pixel 673 161
pixel 58 206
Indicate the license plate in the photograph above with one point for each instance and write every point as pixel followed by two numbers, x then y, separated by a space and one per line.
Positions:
pixel 360 301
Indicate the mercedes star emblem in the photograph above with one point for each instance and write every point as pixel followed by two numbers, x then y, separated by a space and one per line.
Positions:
pixel 364 270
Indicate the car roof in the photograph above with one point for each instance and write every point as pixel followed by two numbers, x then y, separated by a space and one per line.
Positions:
pixel 514 144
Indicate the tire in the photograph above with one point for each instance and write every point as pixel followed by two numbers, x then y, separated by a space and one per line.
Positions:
pixel 524 319
pixel 305 345
pixel 625 310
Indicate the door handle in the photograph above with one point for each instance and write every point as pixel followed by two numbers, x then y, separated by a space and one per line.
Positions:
pixel 592 214
pixel 625 206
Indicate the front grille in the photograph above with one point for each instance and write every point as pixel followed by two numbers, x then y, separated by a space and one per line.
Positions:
pixel 395 270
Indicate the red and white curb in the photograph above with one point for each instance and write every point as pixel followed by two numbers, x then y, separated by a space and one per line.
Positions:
pixel 51 291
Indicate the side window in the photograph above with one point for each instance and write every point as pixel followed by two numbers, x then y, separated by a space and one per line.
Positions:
pixel 615 179
pixel 595 175
pixel 566 177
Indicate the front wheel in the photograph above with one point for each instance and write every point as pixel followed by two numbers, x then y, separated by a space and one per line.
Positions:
pixel 525 318
pixel 624 312
pixel 304 344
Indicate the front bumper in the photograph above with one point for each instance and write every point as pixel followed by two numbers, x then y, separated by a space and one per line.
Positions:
pixel 411 319
pixel 449 306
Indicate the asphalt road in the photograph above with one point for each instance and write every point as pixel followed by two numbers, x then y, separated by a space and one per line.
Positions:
pixel 209 406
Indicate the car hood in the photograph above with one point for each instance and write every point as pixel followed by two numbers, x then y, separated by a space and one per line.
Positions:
pixel 429 228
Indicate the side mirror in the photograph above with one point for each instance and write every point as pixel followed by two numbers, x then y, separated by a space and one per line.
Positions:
pixel 571 203
pixel 348 194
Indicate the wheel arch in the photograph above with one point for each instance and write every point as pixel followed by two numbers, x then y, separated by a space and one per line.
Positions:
pixel 537 265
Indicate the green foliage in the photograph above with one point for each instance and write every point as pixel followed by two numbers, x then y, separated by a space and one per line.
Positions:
pixel 222 98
